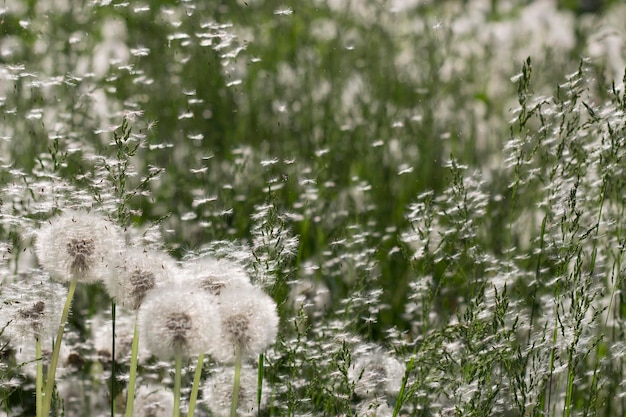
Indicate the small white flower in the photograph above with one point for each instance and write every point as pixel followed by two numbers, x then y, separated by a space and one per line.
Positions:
pixel 214 274
pixel 176 321
pixel 218 392
pixel 79 245
pixel 248 320
pixel 140 271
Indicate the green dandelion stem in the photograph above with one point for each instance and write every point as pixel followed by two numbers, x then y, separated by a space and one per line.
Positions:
pixel 113 364
pixel 196 386
pixel 39 378
pixel 130 397
pixel 177 377
pixel 47 399
pixel 233 406
pixel 259 386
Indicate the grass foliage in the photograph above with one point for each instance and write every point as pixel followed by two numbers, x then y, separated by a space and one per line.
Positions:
pixel 432 192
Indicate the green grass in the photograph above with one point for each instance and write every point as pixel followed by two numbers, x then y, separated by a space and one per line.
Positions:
pixel 428 204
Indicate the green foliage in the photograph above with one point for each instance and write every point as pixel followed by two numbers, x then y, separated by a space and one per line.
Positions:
pixel 374 166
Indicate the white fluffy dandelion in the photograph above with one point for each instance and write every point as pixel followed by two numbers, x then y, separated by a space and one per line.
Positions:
pixel 215 275
pixel 177 321
pixel 140 271
pixel 31 310
pixel 78 245
pixel 218 393
pixel 249 323
pixel 375 374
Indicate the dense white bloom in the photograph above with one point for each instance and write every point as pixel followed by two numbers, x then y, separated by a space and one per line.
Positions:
pixel 31 309
pixel 218 392
pixel 139 271
pixel 214 274
pixel 174 320
pixel 248 320
pixel 79 245
pixel 375 374
pixel 153 401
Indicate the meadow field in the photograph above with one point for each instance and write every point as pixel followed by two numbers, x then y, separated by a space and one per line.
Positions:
pixel 312 208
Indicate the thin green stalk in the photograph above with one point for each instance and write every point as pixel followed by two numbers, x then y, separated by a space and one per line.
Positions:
pixel 130 397
pixel 177 378
pixel 235 400
pixel 259 385
pixel 39 380
pixel 196 386
pixel 47 397
pixel 113 367
pixel 405 378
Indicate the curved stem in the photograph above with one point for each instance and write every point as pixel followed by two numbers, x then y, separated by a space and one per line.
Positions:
pixel 47 397
pixel 196 385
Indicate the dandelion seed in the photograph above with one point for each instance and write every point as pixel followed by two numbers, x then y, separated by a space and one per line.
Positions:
pixel 283 11
pixel 218 392
pixel 249 323
pixel 78 245
pixel 175 321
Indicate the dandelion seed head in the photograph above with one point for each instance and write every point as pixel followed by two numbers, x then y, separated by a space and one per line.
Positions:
pixel 214 275
pixel 174 320
pixel 78 245
pixel 141 270
pixel 218 392
pixel 376 373
pixel 31 309
pixel 80 250
pixel 249 321
pixel 153 401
